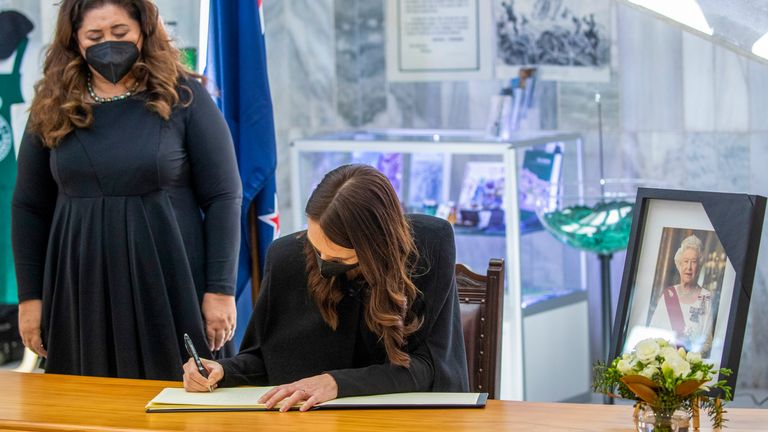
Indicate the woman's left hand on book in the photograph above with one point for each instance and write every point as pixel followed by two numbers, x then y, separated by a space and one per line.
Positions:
pixel 308 392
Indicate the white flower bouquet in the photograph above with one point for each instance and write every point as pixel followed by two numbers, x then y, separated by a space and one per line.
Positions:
pixel 664 378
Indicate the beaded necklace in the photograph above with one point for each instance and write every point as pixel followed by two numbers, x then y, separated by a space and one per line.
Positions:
pixel 99 99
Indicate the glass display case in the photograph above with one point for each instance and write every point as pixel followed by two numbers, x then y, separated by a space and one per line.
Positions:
pixel 488 188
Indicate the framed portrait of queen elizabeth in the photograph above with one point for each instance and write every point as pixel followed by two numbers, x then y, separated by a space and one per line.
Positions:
pixel 687 287
pixel 688 273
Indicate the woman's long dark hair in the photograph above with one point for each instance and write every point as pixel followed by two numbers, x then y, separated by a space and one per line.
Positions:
pixel 357 208
pixel 59 105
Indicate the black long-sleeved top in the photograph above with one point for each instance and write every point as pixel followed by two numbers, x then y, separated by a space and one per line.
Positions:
pixel 288 340
pixel 122 228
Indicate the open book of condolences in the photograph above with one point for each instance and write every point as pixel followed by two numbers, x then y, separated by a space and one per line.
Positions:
pixel 245 399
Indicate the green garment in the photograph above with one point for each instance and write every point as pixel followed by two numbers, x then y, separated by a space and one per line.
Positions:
pixel 10 93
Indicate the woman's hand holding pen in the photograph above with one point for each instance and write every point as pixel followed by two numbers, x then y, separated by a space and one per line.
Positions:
pixel 220 315
pixel 194 382
pixel 311 391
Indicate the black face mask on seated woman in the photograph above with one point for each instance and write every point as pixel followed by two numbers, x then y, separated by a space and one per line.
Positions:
pixel 112 59
pixel 329 269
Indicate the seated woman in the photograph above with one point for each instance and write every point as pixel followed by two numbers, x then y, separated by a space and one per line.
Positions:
pixel 363 302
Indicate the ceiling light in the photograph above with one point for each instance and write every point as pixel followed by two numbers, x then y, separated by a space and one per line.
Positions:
pixel 686 12
pixel 760 47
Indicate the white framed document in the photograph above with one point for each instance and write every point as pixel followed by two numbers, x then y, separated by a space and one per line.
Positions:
pixel 439 40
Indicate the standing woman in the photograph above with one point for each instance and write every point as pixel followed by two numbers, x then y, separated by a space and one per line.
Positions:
pixel 127 204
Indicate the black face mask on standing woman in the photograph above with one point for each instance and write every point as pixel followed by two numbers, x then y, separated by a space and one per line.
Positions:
pixel 112 59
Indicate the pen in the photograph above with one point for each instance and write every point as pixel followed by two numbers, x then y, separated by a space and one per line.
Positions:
pixel 193 353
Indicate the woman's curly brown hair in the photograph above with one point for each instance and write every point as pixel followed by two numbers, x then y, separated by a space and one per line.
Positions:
pixel 357 208
pixel 60 105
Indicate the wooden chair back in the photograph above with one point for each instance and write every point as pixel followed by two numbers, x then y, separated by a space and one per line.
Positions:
pixel 481 299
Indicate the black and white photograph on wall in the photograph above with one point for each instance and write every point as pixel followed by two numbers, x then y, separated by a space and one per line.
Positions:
pixel 566 40
pixel 687 286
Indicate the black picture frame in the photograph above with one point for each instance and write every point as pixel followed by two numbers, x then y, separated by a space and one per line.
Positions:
pixel 661 218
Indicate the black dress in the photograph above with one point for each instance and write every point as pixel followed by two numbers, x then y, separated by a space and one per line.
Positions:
pixel 121 229
pixel 288 340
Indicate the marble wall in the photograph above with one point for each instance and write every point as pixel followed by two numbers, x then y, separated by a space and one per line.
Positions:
pixel 677 108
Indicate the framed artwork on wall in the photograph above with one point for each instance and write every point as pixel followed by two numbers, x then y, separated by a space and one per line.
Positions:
pixel 689 271
pixel 565 40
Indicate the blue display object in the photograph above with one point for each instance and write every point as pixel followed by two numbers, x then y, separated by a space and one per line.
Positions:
pixel 480 204
pixel 463 177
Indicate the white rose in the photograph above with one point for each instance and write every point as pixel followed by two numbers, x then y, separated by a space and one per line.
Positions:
pixel 662 342
pixel 683 368
pixel 693 357
pixel 647 350
pixel 648 371
pixel 677 366
pixel 681 351
pixel 624 366
pixel 670 353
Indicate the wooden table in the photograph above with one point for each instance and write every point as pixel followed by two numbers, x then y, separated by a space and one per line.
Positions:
pixel 37 402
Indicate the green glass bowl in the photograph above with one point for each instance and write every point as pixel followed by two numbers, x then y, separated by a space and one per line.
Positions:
pixel 592 218
pixel 602 227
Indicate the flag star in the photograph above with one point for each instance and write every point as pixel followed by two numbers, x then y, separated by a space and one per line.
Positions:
pixel 261 20
pixel 273 220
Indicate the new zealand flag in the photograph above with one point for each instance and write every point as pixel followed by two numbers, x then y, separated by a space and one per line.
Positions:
pixel 237 67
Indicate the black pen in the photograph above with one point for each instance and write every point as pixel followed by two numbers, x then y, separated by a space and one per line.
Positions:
pixel 193 353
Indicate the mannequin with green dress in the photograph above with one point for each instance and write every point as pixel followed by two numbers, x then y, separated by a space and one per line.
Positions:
pixel 14 28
